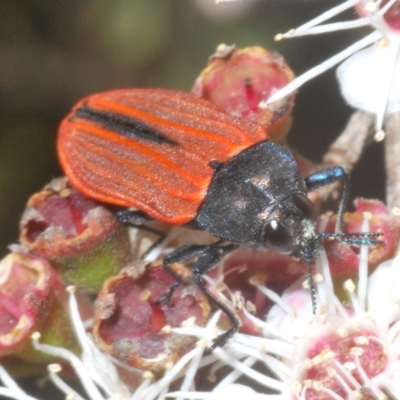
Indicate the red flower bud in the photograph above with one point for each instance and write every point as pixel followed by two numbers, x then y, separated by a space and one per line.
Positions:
pixel 82 239
pixel 133 328
pixel 343 258
pixel 32 298
pixel 25 288
pixel 237 80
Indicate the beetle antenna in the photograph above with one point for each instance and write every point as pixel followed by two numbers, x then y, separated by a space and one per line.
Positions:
pixel 312 288
pixel 355 238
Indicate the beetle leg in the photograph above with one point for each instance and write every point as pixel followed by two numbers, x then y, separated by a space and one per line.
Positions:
pixel 180 255
pixel 326 177
pixel 135 219
pixel 210 258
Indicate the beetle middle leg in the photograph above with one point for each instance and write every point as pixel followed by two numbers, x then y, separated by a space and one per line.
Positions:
pixel 208 257
pixel 180 255
pixel 136 219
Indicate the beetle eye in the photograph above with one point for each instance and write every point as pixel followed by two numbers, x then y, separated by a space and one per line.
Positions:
pixel 277 238
pixel 305 206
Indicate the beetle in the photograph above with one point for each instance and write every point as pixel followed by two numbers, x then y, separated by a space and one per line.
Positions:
pixel 179 159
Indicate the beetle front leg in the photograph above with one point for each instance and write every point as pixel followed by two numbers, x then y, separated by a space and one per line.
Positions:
pixel 326 177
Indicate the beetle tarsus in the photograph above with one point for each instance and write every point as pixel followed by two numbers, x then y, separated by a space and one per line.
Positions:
pixel 224 337
pixel 312 288
pixel 355 238
pixel 179 255
pixel 167 296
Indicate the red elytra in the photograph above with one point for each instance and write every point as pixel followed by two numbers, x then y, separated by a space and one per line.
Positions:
pixel 151 149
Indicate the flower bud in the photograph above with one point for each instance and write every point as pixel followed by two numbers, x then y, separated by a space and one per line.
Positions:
pixel 343 258
pixel 238 80
pixel 82 239
pixel 130 325
pixel 32 298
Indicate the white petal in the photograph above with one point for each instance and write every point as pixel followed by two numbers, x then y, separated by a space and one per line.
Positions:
pixel 364 78
pixel 383 293
pixel 299 300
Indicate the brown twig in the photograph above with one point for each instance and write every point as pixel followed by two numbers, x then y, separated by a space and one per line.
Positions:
pixel 392 160
pixel 346 150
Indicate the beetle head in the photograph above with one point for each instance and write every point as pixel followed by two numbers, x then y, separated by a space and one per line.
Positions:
pixel 291 228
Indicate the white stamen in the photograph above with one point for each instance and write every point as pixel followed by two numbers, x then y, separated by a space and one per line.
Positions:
pixel 278 348
pixel 8 381
pixel 255 375
pixel 191 371
pixel 9 393
pixel 343 383
pixel 157 387
pixel 94 360
pixel 257 355
pixel 363 272
pixel 386 7
pixel 319 69
pixel 234 375
pixel 332 394
pixel 367 381
pixel 336 26
pixel 12 390
pixel 64 387
pixel 275 298
pixel 327 15
pixel 138 393
pixel 346 374
pixel 88 384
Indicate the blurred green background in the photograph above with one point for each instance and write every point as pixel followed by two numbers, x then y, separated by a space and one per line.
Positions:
pixel 53 52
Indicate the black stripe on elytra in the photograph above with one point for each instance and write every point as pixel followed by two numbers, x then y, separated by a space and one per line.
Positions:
pixel 122 125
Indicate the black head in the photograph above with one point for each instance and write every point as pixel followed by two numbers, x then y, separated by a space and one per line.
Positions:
pixel 291 228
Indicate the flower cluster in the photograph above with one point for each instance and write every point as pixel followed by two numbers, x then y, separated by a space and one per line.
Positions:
pixel 126 344
pixel 344 351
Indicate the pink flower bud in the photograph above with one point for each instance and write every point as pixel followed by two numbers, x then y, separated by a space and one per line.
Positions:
pixel 82 239
pixel 25 290
pixel 32 298
pixel 343 258
pixel 133 328
pixel 238 80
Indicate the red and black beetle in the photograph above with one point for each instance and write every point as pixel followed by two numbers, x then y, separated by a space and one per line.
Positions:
pixel 179 159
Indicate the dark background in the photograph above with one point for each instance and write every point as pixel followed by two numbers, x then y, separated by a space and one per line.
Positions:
pixel 54 52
